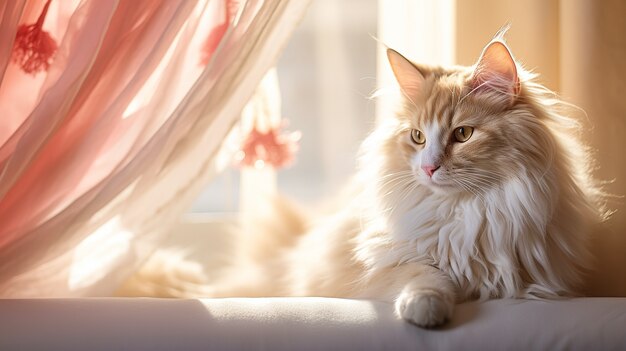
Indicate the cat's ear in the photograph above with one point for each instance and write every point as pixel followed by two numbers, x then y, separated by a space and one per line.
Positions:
pixel 496 71
pixel 410 79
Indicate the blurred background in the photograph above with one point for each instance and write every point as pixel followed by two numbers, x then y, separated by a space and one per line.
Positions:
pixel 333 63
pixel 326 74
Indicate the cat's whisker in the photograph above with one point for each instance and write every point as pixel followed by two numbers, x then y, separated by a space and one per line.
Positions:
pixel 481 183
pixel 492 179
pixel 407 189
pixel 396 189
pixel 408 192
pixel 475 182
pixel 481 177
pixel 480 171
pixel 396 173
pixel 411 187
pixel 469 188
pixel 394 183
pixel 400 178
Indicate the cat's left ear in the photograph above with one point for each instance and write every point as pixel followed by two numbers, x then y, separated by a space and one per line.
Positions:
pixel 496 71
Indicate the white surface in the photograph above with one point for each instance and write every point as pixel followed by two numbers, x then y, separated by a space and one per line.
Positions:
pixel 305 324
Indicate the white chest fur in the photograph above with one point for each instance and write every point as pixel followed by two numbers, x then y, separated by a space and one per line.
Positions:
pixel 474 240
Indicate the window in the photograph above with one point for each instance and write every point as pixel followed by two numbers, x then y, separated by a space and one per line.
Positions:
pixel 326 74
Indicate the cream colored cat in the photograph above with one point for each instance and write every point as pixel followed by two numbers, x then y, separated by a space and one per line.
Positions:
pixel 477 188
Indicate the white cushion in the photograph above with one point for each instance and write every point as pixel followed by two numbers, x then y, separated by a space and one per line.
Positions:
pixel 304 324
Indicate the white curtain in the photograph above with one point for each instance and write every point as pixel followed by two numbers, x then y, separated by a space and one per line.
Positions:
pixel 148 144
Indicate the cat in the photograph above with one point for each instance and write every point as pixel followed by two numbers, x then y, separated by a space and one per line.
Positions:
pixel 477 188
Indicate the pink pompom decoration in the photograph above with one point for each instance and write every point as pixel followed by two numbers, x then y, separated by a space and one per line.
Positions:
pixel 268 148
pixel 34 47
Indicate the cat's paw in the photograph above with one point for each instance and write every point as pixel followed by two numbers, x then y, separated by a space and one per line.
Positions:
pixel 424 308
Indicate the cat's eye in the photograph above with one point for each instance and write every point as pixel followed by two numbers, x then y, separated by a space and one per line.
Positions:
pixel 462 134
pixel 417 136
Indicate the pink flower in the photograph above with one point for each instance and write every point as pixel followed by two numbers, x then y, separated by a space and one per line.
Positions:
pixel 268 148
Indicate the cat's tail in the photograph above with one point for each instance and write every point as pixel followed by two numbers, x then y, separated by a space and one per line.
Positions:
pixel 167 273
pixel 252 259
pixel 271 230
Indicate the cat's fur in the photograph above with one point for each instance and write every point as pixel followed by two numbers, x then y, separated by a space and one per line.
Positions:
pixel 505 215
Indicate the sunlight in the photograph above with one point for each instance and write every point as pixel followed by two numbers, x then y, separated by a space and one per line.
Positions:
pixel 99 253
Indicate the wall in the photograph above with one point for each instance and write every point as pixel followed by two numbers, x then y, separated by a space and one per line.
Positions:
pixel 593 75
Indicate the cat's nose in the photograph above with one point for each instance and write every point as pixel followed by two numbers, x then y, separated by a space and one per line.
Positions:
pixel 430 169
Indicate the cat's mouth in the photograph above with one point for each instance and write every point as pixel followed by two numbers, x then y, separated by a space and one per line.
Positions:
pixel 437 183
pixel 440 183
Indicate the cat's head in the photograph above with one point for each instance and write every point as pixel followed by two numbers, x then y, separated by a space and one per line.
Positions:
pixel 467 128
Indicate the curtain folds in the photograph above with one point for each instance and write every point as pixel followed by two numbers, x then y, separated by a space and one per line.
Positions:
pixel 102 153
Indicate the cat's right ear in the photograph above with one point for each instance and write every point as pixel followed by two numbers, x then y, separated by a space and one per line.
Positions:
pixel 411 80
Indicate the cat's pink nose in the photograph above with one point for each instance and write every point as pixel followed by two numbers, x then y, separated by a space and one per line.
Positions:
pixel 430 169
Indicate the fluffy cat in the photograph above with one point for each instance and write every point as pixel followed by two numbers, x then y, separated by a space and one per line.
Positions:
pixel 477 188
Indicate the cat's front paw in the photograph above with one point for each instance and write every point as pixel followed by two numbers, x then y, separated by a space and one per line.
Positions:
pixel 424 308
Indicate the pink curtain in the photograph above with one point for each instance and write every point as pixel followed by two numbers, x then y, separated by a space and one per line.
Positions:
pixel 102 152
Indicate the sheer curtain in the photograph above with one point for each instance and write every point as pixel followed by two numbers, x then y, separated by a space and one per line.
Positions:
pixel 101 153
pixel 578 47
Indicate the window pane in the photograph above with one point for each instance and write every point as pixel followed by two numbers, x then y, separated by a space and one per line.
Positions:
pixel 221 195
pixel 326 74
